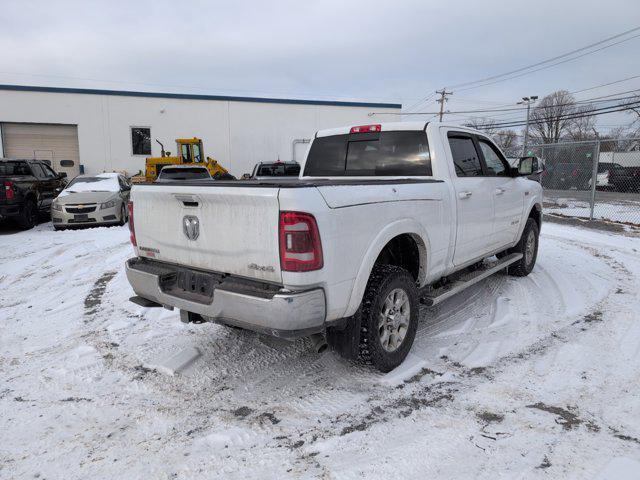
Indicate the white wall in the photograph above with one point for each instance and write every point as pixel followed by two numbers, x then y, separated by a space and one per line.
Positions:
pixel 237 134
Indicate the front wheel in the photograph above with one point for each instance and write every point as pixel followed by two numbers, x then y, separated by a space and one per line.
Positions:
pixel 528 247
pixel 123 215
pixel 389 317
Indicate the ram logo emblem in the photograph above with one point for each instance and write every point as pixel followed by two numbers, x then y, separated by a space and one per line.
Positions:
pixel 191 227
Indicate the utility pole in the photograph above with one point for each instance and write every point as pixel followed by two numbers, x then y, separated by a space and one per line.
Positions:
pixel 443 98
pixel 528 101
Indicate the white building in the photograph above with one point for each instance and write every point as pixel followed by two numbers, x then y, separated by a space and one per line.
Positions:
pixel 106 130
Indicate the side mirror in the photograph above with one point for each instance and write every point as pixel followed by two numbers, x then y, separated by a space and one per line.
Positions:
pixel 62 175
pixel 529 166
pixel 246 176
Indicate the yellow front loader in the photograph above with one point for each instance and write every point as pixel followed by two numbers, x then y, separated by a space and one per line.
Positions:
pixel 189 151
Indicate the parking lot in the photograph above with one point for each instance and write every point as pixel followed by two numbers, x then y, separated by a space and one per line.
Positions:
pixel 529 377
pixel 613 206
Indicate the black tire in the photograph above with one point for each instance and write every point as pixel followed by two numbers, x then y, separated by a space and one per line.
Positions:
pixel 383 282
pixel 123 215
pixel 529 252
pixel 28 215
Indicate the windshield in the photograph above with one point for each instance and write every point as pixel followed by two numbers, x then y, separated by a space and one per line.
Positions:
pixel 395 153
pixel 278 170
pixel 93 184
pixel 14 168
pixel 184 173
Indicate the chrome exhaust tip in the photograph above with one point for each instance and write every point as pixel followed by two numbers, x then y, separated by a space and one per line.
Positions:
pixel 319 342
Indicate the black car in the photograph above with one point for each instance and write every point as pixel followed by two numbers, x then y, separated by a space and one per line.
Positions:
pixel 28 188
pixel 625 179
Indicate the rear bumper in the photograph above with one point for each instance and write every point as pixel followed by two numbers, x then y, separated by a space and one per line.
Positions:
pixel 9 210
pixel 283 314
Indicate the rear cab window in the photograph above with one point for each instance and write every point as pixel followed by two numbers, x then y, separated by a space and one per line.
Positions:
pixel 378 154
pixel 10 169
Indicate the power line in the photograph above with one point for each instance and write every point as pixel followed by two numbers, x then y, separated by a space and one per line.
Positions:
pixel 549 66
pixel 606 84
pixel 596 100
pixel 558 57
pixel 573 115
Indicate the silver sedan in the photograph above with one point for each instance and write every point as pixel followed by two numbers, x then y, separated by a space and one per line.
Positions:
pixel 92 200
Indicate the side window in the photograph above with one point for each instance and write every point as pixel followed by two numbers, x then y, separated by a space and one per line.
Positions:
pixel 496 164
pixel 37 170
pixel 141 140
pixel 465 156
pixel 48 172
pixel 197 158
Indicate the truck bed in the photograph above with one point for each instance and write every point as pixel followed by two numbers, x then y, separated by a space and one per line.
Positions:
pixel 293 182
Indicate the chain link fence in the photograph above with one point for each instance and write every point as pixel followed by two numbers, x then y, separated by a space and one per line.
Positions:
pixel 595 180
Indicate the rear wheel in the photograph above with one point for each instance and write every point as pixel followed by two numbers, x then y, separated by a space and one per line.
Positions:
pixel 389 317
pixel 29 215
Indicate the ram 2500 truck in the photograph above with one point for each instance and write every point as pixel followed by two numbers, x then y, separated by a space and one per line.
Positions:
pixel 382 217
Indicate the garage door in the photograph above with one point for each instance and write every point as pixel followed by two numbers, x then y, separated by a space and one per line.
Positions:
pixel 56 143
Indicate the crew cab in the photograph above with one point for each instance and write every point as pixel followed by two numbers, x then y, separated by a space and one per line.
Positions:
pixel 382 217
pixel 27 189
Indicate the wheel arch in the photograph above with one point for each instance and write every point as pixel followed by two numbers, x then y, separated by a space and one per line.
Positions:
pixel 405 232
pixel 536 213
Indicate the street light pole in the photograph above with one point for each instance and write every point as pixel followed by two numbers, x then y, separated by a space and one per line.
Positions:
pixel 528 101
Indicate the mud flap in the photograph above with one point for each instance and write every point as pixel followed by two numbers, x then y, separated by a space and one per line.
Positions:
pixel 345 338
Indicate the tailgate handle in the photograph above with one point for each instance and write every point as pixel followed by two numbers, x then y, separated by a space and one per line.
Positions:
pixel 187 200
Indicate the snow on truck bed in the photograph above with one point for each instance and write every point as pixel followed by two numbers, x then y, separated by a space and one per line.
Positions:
pixel 515 378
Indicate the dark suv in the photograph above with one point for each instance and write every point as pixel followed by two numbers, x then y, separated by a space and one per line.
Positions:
pixel 27 188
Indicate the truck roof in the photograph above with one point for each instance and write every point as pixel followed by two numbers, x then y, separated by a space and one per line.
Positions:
pixel 388 127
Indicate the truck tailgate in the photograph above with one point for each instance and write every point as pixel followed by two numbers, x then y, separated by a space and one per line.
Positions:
pixel 237 228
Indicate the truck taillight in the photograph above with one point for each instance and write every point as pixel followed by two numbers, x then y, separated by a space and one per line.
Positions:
pixel 8 190
pixel 132 227
pixel 300 247
pixel 366 129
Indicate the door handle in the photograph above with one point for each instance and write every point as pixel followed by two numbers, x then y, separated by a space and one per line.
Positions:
pixel 464 195
pixel 499 191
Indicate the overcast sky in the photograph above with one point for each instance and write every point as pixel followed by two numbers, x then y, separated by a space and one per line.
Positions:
pixel 394 51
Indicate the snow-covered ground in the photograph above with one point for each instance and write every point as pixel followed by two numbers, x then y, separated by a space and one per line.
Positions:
pixel 624 212
pixel 535 377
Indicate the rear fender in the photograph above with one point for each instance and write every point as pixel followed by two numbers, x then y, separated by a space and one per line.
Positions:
pixel 399 227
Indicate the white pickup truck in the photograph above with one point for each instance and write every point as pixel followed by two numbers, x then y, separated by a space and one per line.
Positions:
pixel 382 217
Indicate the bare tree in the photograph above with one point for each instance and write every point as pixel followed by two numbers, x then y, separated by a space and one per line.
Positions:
pixel 557 116
pixel 633 107
pixel 507 140
pixel 583 125
pixel 486 125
